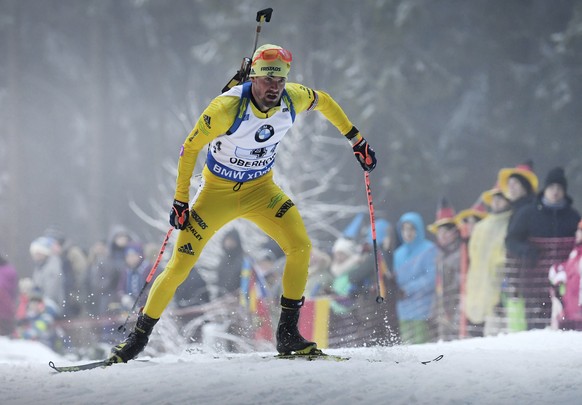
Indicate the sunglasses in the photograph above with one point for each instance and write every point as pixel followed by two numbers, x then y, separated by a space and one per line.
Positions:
pixel 273 54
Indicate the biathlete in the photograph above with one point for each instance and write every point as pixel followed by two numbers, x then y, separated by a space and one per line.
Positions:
pixel 244 127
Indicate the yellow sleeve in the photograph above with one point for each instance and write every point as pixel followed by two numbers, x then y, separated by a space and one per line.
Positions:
pixel 216 119
pixel 305 99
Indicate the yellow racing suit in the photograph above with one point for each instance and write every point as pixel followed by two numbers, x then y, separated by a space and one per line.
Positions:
pixel 233 187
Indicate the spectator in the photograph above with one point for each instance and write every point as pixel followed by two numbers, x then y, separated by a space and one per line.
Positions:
pixel 353 259
pixel 74 264
pixel 468 218
pixel 466 221
pixel 447 310
pixel 388 331
pixel 354 313
pixel 102 279
pixel 550 216
pixel 319 278
pixel 133 277
pixel 414 266
pixel 8 296
pixel 486 262
pixel 118 241
pixel 540 234
pixel 102 282
pixel 270 266
pixel 519 186
pixel 38 321
pixel 355 230
pixel 566 279
pixel 231 263
pixel 193 291
pixel 47 275
pixel 346 267
pixel 385 242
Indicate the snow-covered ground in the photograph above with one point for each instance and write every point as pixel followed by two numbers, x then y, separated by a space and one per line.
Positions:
pixel 536 367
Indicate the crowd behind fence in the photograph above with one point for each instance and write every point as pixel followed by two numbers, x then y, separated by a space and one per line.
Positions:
pixel 79 304
pixel 228 321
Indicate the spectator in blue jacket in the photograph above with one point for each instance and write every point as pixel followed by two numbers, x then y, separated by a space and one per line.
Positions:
pixel 415 270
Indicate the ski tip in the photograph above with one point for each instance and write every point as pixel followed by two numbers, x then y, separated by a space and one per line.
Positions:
pixel 81 367
pixel 437 358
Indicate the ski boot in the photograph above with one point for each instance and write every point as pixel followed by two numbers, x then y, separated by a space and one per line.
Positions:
pixel 289 340
pixel 135 342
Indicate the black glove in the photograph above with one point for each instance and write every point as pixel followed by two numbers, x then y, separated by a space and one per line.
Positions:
pixel 365 155
pixel 179 214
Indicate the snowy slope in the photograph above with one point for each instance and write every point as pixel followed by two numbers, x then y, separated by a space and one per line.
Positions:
pixel 536 367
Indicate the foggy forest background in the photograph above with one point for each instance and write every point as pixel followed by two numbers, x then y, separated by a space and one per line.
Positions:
pixel 96 97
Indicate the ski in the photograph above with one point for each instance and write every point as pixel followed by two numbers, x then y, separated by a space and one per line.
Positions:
pixel 314 355
pixel 81 367
pixel 311 357
pixel 425 362
pixel 310 353
pixel 437 358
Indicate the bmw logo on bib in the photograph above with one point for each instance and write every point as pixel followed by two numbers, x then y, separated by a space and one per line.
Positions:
pixel 264 133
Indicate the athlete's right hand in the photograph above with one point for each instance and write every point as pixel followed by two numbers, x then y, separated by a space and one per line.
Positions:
pixel 179 214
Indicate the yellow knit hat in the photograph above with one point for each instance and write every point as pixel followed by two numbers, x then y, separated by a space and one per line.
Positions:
pixel 271 60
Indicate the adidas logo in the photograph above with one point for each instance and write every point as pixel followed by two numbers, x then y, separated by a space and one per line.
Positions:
pixel 187 248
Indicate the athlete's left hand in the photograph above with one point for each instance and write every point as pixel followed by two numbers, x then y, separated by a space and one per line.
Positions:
pixel 179 214
pixel 365 155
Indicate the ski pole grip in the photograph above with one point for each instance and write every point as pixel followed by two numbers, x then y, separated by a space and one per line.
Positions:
pixel 264 15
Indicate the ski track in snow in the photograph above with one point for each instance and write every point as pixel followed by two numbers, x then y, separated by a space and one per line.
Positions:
pixel 535 367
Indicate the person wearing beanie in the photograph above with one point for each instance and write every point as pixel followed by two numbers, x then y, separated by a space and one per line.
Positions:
pixel 244 128
pixel 550 215
pixel 541 232
pixel 132 277
pixel 47 275
pixel 556 179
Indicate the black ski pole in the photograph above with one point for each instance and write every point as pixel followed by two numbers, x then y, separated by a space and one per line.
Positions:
pixel 379 298
pixel 122 328
pixel 242 74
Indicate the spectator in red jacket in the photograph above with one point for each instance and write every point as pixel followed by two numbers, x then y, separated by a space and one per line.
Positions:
pixel 566 278
pixel 8 296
